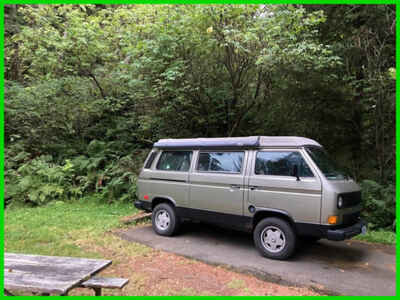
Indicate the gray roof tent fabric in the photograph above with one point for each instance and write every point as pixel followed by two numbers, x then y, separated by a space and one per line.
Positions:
pixel 247 142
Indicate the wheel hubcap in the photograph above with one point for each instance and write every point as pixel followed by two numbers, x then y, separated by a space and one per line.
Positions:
pixel 162 219
pixel 273 239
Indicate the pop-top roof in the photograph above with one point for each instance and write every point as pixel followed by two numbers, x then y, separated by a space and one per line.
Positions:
pixel 247 142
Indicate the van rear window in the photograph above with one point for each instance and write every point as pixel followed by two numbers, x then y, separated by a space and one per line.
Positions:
pixel 175 161
pixel 150 160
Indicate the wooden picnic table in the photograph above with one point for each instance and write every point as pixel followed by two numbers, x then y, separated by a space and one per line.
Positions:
pixel 48 274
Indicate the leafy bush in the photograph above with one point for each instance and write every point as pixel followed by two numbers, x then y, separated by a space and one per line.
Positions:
pixel 62 116
pixel 41 180
pixel 105 172
pixel 379 204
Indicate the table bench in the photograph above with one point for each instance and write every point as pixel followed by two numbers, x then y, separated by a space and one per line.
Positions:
pixel 47 275
pixel 97 283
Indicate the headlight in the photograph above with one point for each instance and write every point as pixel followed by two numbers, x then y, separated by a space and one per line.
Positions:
pixel 340 202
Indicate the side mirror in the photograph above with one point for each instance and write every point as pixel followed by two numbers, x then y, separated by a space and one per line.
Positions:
pixel 295 172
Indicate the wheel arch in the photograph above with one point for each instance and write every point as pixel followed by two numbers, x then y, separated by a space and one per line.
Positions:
pixel 263 213
pixel 162 199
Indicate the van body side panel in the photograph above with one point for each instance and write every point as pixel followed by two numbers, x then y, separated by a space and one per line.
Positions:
pixel 173 185
pixel 301 199
pixel 143 183
pixel 217 191
pixel 143 186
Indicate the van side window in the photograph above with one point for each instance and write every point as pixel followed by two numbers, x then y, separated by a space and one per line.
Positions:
pixel 281 163
pixel 230 162
pixel 175 161
pixel 150 160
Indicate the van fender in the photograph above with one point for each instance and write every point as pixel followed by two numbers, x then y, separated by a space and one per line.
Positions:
pixel 260 211
pixel 155 198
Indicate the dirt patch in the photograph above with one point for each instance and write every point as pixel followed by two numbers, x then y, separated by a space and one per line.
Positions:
pixel 136 218
pixel 153 273
pixel 388 249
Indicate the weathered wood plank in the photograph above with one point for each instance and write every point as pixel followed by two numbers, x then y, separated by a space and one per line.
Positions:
pixel 106 282
pixel 38 283
pixel 61 261
pixel 48 274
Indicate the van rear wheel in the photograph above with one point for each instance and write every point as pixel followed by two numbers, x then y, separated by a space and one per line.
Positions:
pixel 164 220
pixel 274 238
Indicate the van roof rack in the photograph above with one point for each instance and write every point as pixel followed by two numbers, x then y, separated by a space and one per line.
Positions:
pixel 237 142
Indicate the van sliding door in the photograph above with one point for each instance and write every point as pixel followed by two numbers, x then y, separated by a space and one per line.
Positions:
pixel 217 182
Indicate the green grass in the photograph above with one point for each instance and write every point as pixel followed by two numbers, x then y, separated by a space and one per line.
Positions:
pixel 54 229
pixel 382 237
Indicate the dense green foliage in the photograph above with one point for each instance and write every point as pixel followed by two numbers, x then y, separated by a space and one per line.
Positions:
pixel 89 88
pixel 40 180
pixel 379 204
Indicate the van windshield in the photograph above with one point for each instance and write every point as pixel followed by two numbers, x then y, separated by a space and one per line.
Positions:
pixel 325 164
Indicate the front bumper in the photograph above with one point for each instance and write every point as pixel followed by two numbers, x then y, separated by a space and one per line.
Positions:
pixel 341 234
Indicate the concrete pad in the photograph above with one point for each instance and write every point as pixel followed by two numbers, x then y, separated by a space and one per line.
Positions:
pixel 347 268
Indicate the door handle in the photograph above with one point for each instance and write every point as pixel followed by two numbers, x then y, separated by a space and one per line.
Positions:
pixel 235 186
pixel 252 187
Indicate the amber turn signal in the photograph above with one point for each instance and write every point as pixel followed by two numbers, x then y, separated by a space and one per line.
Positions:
pixel 332 220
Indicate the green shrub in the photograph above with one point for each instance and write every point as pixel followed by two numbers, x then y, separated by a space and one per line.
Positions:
pixel 105 172
pixel 379 236
pixel 41 180
pixel 379 204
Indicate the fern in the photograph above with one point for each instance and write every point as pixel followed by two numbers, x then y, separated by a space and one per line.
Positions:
pixel 42 180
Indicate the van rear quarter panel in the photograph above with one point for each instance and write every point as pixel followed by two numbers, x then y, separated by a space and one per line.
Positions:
pixel 168 184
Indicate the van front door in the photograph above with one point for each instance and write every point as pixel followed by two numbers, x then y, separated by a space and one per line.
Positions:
pixel 217 183
pixel 273 186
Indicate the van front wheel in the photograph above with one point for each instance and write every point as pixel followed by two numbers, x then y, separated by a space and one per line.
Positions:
pixel 274 238
pixel 164 220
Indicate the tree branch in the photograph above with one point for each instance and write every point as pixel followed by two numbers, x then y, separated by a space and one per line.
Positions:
pixel 91 75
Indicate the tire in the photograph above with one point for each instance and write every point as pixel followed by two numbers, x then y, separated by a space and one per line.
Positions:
pixel 281 238
pixel 164 220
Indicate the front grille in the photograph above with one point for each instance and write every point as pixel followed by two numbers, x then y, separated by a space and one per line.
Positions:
pixel 351 199
pixel 350 219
